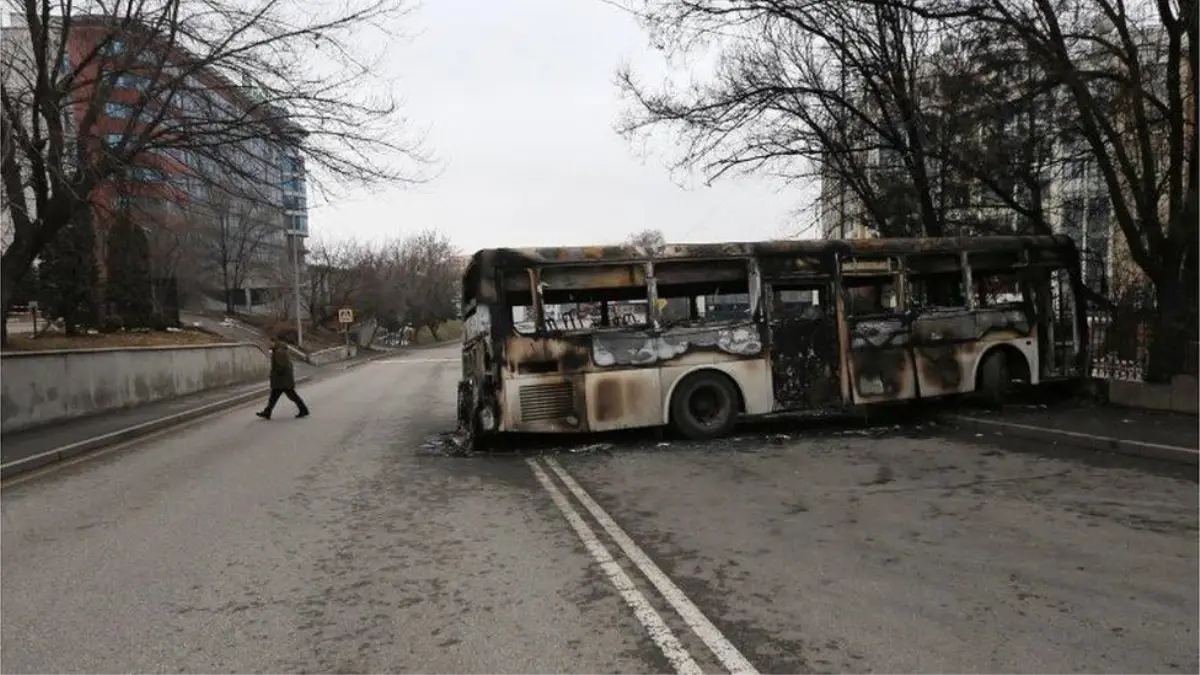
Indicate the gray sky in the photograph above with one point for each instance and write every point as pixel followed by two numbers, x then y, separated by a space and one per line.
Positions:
pixel 518 102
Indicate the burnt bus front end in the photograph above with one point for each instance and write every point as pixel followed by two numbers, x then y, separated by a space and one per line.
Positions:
pixel 476 400
pixel 477 409
pixel 517 383
pixel 607 344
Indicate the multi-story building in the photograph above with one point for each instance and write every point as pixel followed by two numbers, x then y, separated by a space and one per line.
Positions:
pixel 225 210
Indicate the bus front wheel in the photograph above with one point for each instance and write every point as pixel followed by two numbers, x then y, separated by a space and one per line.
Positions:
pixel 704 406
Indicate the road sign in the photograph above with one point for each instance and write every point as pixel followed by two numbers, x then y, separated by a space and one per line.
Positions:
pixel 345 315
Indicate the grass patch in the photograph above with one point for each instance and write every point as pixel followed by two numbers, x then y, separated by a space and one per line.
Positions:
pixel 322 338
pixel 55 342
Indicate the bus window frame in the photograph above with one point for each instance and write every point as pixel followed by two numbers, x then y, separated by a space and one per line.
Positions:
pixel 740 273
pixel 537 285
pixel 847 275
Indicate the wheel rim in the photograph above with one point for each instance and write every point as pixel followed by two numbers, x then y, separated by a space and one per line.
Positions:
pixel 708 406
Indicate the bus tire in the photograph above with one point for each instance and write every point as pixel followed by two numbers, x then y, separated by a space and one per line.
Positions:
pixel 704 406
pixel 995 380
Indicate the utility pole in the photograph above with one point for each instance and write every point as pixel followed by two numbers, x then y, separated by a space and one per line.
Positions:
pixel 296 283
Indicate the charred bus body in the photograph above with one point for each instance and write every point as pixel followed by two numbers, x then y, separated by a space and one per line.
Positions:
pixel 613 337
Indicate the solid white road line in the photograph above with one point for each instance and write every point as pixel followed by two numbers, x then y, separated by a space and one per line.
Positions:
pixel 1102 440
pixel 660 633
pixel 718 644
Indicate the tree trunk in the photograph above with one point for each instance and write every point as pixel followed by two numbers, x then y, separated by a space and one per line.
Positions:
pixel 1169 336
pixel 433 331
pixel 5 297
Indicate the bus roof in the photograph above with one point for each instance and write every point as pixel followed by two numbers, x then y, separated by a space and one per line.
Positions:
pixel 542 256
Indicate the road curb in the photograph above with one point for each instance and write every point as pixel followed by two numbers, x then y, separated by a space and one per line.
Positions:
pixel 129 433
pixel 1168 453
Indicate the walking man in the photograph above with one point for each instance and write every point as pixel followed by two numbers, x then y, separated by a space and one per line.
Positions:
pixel 283 380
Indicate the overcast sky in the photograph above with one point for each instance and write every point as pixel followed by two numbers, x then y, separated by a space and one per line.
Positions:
pixel 518 102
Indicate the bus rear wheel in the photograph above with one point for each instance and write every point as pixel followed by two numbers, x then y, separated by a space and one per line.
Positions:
pixel 995 380
pixel 704 406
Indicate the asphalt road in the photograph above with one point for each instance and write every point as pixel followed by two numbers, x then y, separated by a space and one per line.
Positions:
pixel 345 543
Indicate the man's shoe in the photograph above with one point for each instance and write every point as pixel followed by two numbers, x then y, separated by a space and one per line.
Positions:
pixel 301 415
pixel 264 415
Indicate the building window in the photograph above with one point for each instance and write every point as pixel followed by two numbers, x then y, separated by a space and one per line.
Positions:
pixel 293 203
pixel 113 140
pixel 298 224
pixel 147 174
pixel 137 82
pixel 118 110
pixel 1072 219
pixel 114 47
pixel 292 165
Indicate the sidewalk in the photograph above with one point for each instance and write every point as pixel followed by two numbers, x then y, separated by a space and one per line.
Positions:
pixel 28 449
pixel 32 442
pixel 1135 432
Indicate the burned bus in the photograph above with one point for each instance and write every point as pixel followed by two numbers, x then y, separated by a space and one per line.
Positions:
pixel 694 336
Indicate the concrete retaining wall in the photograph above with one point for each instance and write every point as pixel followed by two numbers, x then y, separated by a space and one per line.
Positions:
pixel 39 388
pixel 333 355
pixel 1182 395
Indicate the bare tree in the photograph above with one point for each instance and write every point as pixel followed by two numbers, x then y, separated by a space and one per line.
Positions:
pixel 191 79
pixel 648 238
pixel 429 276
pixel 235 243
pixel 402 281
pixel 336 277
pixel 949 116
pixel 801 88
pixel 1129 73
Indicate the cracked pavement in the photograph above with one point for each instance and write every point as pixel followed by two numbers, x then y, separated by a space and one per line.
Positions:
pixel 341 544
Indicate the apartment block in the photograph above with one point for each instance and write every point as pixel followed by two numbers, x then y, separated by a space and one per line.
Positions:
pixel 249 191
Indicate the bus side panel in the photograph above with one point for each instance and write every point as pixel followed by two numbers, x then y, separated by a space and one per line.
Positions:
pixel 623 399
pixel 881 363
pixel 1027 346
pixel 949 345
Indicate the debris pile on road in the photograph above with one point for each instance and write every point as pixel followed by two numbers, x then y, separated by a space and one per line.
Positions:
pixel 447 444
pixel 459 443
pixel 594 447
